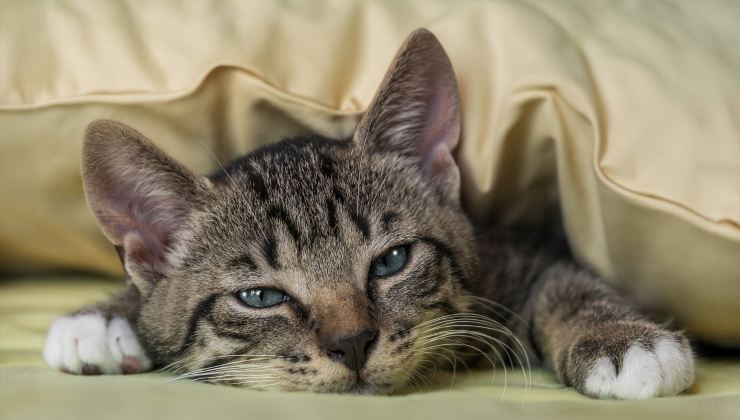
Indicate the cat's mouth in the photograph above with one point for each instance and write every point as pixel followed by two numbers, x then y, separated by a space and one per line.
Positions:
pixel 358 384
pixel 362 387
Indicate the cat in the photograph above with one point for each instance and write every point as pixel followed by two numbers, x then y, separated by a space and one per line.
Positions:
pixel 344 265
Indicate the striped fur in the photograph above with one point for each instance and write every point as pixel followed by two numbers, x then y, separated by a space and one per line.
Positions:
pixel 309 215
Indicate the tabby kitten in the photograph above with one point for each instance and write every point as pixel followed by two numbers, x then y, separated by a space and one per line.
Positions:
pixel 344 265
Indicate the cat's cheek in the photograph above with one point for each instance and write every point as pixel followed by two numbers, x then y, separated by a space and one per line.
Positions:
pixel 87 344
pixel 666 370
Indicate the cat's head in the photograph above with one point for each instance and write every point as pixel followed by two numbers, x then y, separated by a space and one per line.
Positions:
pixel 311 264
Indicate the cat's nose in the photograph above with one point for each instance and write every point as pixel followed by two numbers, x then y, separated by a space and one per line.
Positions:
pixel 353 350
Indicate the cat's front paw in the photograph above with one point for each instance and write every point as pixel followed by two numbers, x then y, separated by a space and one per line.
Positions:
pixel 88 344
pixel 632 362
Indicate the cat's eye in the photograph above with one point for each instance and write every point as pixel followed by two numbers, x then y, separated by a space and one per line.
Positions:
pixel 263 298
pixel 391 262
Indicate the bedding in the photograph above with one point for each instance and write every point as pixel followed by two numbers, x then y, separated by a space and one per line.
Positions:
pixel 30 390
pixel 626 111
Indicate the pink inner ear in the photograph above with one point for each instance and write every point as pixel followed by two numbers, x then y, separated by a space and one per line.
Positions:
pixel 441 131
pixel 141 217
pixel 140 196
pixel 416 109
pixel 442 161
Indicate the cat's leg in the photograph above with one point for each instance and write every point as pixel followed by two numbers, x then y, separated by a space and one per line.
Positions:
pixel 598 341
pixel 99 339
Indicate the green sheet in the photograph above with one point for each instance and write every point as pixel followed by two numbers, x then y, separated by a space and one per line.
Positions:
pixel 29 389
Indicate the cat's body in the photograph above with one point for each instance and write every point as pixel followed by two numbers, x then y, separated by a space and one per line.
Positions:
pixel 344 266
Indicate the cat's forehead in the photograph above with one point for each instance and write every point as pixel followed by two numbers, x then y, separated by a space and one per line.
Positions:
pixel 307 173
pixel 303 157
pixel 310 196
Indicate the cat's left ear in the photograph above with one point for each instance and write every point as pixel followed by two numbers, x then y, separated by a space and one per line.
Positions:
pixel 416 112
pixel 141 198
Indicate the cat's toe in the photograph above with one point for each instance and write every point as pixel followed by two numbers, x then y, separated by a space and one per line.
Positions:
pixel 601 379
pixel 87 344
pixel 676 363
pixel 666 369
pixel 125 348
pixel 76 344
pixel 640 376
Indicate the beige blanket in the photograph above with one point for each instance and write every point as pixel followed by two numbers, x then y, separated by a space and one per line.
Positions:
pixel 629 111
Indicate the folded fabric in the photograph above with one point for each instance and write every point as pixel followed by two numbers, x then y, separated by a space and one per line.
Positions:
pixel 626 111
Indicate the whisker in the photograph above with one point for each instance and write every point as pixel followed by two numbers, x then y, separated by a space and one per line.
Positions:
pixel 241 369
pixel 482 353
pixel 468 320
pixel 482 300
pixel 489 323
pixel 527 325
pixel 244 365
pixel 452 362
pixel 189 364
pixel 525 365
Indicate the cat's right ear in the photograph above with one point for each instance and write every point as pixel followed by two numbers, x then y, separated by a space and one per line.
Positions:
pixel 140 197
pixel 416 112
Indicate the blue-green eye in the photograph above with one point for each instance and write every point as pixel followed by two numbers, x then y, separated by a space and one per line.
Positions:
pixel 391 262
pixel 263 298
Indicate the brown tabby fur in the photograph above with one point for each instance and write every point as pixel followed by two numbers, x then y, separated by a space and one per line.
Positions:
pixel 308 216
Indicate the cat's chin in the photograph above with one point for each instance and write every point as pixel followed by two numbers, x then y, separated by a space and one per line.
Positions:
pixel 355 386
pixel 361 387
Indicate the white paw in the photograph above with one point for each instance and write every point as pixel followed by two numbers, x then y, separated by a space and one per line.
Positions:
pixel 666 370
pixel 87 344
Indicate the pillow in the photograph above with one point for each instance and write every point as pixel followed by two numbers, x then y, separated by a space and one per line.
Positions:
pixel 628 112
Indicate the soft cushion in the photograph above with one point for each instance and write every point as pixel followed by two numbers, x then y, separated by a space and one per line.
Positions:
pixel 628 111
pixel 31 390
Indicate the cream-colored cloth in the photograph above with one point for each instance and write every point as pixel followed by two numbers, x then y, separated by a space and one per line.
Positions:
pixel 29 389
pixel 630 111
